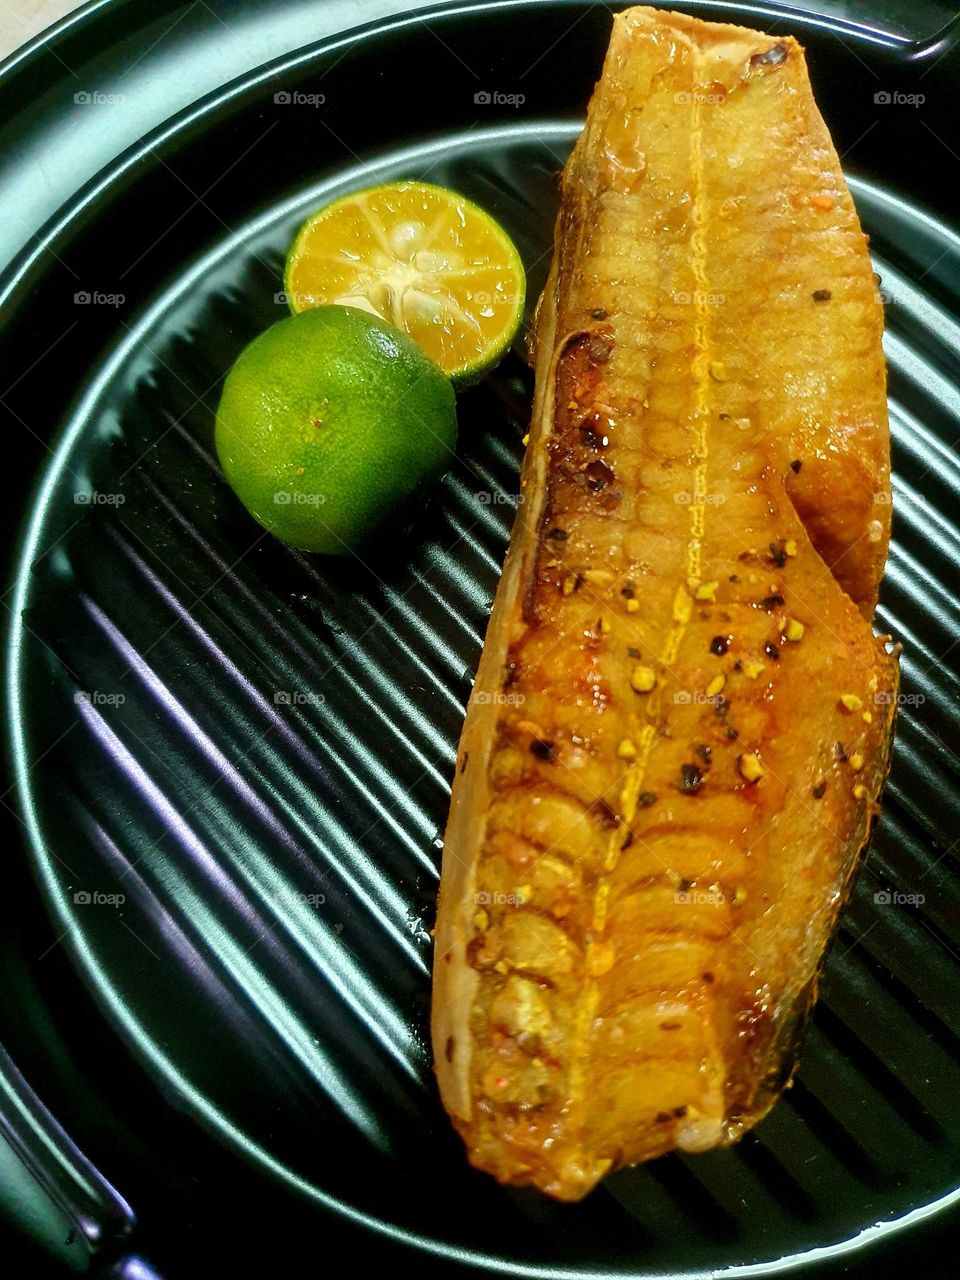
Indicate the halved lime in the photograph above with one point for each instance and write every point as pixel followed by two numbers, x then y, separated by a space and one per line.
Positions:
pixel 422 257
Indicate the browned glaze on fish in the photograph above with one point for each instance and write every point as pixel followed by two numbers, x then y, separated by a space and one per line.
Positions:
pixel 682 718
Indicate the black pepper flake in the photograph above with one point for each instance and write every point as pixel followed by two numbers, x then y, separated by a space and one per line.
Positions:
pixel 684 886
pixel 822 295
pixel 662 1117
pixel 598 475
pixel 771 602
pixel 818 790
pixel 605 813
pixel 734 577
pixel 680 1112
pixel 777 555
pixel 450 1045
pixel 463 762
pixel 707 977
pixel 795 465
pixel 558 535
pixel 703 752
pixel 599 313
pixel 646 798
pixel 544 750
pixel 632 652
pixel 772 651
pixel 840 752
pixel 719 645
pixel 591 439
pixel 627 590
pixel 691 778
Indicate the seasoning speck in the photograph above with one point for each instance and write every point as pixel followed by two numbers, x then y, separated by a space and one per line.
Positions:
pixel 643 679
pixel 719 645
pixel 626 750
pixel 750 768
pixel 822 295
pixel 851 702
pixel 793 631
pixel 691 778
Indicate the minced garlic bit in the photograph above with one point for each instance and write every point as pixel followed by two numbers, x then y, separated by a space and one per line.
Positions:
pixel 600 959
pixel 851 701
pixel 718 371
pixel 707 591
pixel 856 762
pixel 502 966
pixel 790 547
pixel 860 792
pixel 643 679
pixel 627 749
pixel 873 683
pixel 793 631
pixel 526 439
pixel 481 920
pixel 716 685
pixel 682 607
pixel 751 668
pixel 598 577
pixel 570 584
pixel 740 894
pixel 750 767
pixel 633 606
pixel 603 626
pixel 868 717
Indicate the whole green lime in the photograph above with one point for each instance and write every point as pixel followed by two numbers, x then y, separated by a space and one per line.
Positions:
pixel 330 420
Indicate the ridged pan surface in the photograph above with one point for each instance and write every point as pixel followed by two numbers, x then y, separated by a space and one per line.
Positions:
pixel 254 747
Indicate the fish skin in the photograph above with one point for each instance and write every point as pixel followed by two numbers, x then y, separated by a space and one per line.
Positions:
pixel 631 927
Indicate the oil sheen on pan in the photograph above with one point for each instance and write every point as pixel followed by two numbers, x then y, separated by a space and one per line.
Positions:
pixel 682 719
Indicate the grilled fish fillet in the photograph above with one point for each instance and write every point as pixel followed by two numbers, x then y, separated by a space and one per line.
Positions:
pixel 682 718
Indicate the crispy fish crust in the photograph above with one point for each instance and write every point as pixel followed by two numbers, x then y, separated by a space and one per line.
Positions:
pixel 682 719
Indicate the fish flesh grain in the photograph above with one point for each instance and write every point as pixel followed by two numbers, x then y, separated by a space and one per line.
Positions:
pixel 682 718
